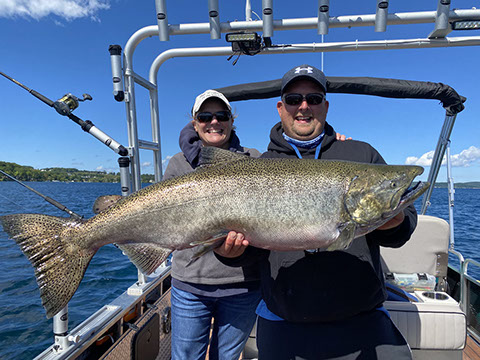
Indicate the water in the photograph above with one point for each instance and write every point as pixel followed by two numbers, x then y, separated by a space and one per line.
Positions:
pixel 24 329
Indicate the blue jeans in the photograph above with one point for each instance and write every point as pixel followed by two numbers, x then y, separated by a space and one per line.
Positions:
pixel 191 318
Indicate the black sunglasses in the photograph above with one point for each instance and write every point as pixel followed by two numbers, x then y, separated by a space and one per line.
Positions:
pixel 205 117
pixel 297 99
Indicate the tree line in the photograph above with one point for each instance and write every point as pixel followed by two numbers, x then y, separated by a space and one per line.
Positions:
pixel 28 173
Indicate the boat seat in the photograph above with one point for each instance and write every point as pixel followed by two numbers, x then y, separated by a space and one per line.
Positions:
pixel 425 252
pixel 435 326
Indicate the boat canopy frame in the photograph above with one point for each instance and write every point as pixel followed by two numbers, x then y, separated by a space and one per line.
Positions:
pixel 392 88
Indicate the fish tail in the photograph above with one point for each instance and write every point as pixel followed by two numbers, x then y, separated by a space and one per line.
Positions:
pixel 53 247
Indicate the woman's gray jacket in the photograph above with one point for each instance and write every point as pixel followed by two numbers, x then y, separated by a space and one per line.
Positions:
pixel 207 270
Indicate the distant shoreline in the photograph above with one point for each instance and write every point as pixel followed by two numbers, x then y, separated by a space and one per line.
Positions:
pixel 66 175
pixel 465 185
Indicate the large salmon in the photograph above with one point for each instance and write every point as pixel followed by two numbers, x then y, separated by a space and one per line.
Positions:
pixel 279 204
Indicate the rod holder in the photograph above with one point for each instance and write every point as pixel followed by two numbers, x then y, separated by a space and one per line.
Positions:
pixel 442 26
pixel 323 16
pixel 213 14
pixel 162 20
pixel 116 62
pixel 124 163
pixel 267 11
pixel 60 330
pixel 381 16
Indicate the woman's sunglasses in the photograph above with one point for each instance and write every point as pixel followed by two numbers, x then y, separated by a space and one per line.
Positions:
pixel 297 99
pixel 205 117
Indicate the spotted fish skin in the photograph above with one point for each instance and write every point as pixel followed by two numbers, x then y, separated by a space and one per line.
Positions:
pixel 279 204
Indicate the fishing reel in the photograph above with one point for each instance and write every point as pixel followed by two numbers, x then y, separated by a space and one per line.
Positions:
pixel 68 103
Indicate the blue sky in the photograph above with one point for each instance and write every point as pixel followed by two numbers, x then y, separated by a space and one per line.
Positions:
pixel 61 46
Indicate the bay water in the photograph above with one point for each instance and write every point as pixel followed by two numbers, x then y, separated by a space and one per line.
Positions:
pixel 24 330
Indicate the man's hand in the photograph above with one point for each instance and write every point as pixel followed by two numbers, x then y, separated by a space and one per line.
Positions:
pixel 233 246
pixel 393 222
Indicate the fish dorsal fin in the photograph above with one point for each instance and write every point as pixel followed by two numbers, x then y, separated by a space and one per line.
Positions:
pixel 210 156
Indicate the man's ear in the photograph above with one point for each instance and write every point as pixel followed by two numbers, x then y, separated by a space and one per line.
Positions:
pixel 194 125
pixel 280 106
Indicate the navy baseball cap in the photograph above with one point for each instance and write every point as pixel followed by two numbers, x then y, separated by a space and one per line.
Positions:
pixel 304 72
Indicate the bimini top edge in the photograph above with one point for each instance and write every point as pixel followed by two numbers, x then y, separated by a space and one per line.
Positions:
pixel 389 88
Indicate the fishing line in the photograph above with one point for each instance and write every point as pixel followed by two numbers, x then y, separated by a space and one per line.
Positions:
pixel 44 197
pixel 13 202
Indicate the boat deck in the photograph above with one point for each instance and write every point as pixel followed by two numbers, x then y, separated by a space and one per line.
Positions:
pixel 472 350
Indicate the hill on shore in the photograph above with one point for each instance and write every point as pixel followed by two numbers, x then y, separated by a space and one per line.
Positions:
pixel 28 173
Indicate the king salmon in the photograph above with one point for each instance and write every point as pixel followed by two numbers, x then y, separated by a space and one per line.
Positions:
pixel 278 204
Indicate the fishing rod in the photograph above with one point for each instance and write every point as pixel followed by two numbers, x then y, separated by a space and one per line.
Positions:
pixel 65 105
pixel 46 198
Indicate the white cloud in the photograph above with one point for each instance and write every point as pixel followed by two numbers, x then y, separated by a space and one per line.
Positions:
pixel 165 161
pixel 464 159
pixel 146 164
pixel 100 168
pixel 67 9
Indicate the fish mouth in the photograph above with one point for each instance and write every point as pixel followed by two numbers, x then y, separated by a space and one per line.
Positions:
pixel 414 192
pixel 408 197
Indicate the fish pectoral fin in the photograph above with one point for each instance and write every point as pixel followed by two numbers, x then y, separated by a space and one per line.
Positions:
pixel 214 156
pixel 146 257
pixel 347 234
pixel 204 246
pixel 212 239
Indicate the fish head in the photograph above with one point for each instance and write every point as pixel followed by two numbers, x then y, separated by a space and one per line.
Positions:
pixel 377 193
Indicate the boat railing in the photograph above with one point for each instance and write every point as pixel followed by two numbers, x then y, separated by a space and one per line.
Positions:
pixel 111 321
pixel 470 287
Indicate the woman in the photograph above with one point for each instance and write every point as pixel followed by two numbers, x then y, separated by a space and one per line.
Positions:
pixel 207 289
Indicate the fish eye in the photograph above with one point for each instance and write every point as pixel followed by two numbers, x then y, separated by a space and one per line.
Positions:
pixel 393 184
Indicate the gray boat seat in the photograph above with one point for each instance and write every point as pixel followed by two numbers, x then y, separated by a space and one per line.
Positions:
pixel 425 252
pixel 435 326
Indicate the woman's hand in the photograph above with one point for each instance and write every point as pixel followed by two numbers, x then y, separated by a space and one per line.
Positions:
pixel 342 137
pixel 233 246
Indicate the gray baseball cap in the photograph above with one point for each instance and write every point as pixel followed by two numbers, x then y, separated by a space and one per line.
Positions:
pixel 304 72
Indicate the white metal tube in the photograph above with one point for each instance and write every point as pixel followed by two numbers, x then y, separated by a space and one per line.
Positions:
pixel 292 24
pixel 437 158
pixel 451 197
pixel 248 11
pixel 132 131
pixel 314 47
pixel 154 116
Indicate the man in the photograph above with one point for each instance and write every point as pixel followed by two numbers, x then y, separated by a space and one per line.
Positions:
pixel 318 304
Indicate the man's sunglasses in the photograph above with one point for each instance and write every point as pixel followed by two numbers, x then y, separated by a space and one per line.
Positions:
pixel 205 117
pixel 297 99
